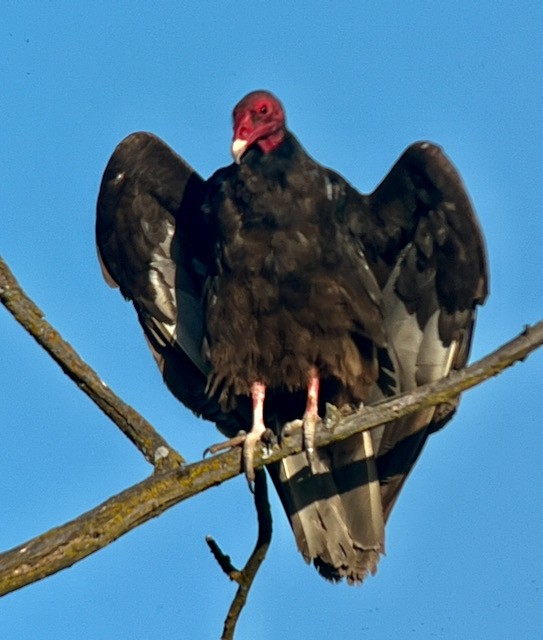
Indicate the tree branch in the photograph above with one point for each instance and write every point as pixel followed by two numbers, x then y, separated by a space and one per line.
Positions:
pixel 63 546
pixel 246 576
pixel 151 444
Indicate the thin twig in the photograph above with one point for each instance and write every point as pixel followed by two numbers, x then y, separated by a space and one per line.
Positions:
pixel 151 444
pixel 224 561
pixel 246 576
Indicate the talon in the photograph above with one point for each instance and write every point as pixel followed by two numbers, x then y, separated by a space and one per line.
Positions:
pixel 237 441
pixel 292 426
pixel 249 445
pixel 267 441
pixel 332 417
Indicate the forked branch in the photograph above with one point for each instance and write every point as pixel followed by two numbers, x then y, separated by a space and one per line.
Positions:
pixel 246 576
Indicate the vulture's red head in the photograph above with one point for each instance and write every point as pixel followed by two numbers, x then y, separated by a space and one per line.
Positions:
pixel 258 119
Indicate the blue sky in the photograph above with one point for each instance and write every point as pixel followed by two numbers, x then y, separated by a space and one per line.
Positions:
pixel 360 81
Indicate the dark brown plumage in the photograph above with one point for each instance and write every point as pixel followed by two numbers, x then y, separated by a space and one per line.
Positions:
pixel 290 289
pixel 275 280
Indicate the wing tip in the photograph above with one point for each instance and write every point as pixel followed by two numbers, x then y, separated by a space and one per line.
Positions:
pixel 425 148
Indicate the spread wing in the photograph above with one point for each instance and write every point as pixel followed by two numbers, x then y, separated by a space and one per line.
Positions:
pixel 423 242
pixel 152 244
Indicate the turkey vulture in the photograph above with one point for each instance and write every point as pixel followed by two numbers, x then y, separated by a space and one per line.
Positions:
pixel 275 287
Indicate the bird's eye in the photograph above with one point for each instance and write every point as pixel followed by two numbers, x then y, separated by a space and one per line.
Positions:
pixel 263 109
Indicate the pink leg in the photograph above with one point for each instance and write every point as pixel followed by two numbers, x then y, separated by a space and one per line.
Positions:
pixel 313 382
pixel 251 439
pixel 311 415
pixel 258 393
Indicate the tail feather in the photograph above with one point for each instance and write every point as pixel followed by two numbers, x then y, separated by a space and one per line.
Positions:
pixel 335 513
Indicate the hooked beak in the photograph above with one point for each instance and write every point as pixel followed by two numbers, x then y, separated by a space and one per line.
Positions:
pixel 238 149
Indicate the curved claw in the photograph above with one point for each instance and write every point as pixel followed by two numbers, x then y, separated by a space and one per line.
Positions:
pixel 237 441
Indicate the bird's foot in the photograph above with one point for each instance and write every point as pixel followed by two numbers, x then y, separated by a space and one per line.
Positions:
pixel 309 430
pixel 252 439
pixel 334 415
pixel 292 427
pixel 311 418
pixel 248 442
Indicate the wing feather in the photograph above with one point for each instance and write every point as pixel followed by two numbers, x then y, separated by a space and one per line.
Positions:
pixel 152 243
pixel 424 244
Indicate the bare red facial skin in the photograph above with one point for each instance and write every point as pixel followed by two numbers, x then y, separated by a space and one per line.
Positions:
pixel 259 119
